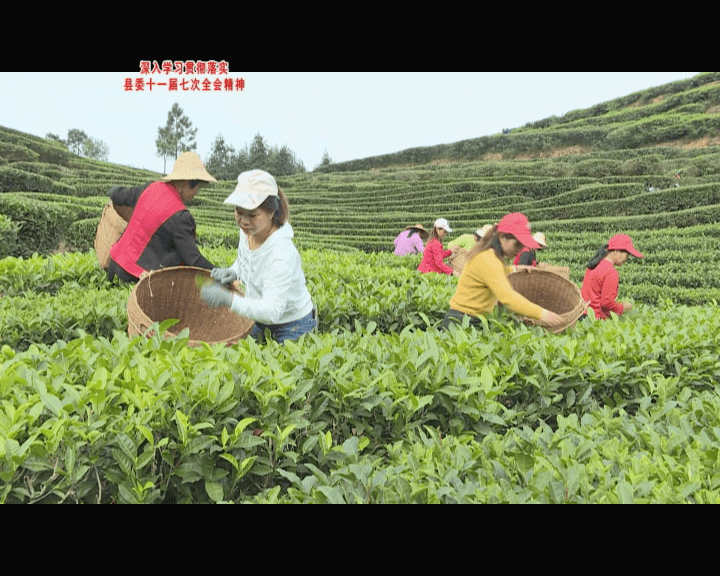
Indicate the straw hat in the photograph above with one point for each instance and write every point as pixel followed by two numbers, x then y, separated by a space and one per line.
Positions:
pixel 539 237
pixel 189 167
pixel 419 227
pixel 253 188
pixel 484 230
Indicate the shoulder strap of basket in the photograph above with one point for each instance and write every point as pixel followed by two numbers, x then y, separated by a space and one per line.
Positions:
pixel 156 204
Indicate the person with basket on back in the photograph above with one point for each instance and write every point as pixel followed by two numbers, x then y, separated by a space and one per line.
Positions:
pixel 483 282
pixel 268 264
pixel 600 284
pixel 161 230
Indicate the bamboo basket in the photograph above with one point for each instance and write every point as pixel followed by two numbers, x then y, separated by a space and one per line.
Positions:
pixel 173 293
pixel 112 224
pixel 458 260
pixel 551 291
pixel 564 271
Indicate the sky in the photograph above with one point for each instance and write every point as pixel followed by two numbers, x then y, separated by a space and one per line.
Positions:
pixel 352 115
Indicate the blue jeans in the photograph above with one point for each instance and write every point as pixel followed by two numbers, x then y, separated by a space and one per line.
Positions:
pixel 289 331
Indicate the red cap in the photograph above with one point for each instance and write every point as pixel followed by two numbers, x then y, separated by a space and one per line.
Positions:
pixel 517 224
pixel 623 242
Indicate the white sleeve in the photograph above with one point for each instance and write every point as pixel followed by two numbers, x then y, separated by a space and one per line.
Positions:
pixel 235 266
pixel 276 285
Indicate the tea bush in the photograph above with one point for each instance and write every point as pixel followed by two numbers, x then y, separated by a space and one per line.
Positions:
pixel 8 236
pixel 507 414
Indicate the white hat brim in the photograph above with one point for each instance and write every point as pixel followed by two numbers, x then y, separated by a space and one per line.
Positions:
pixel 246 200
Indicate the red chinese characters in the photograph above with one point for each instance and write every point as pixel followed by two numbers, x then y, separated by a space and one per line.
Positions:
pixel 181 68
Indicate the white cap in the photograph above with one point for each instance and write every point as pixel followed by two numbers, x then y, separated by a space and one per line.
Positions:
pixel 442 223
pixel 253 188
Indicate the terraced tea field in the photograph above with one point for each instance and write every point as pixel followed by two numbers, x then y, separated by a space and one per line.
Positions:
pixel 379 406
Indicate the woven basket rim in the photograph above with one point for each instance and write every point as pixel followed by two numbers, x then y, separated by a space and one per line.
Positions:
pixel 172 331
pixel 570 317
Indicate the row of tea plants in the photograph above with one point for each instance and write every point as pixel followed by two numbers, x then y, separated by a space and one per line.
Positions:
pixel 378 406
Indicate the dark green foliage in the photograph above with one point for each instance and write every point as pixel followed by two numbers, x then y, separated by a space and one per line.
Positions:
pixel 41 225
pixel 8 236
pixel 14 180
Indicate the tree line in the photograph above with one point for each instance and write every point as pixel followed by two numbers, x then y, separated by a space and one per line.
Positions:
pixel 82 144
pixel 224 162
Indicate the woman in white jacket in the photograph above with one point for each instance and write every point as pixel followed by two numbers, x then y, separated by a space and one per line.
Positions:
pixel 268 264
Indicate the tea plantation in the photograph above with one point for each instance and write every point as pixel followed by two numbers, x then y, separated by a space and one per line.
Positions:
pixel 379 406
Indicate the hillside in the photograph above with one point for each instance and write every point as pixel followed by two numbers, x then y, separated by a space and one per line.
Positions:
pixel 640 163
pixel 682 113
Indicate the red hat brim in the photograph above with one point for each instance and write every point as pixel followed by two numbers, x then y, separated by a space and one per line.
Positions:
pixel 623 242
pixel 517 224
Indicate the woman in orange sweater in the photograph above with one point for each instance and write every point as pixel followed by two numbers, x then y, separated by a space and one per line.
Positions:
pixel 484 282
pixel 600 285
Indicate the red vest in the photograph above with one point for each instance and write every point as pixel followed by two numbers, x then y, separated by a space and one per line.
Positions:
pixel 517 257
pixel 156 204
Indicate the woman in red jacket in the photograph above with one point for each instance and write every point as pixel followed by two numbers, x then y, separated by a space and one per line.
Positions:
pixel 433 256
pixel 600 285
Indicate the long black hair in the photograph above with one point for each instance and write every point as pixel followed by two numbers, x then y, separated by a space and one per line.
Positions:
pixel 599 255
pixel 495 245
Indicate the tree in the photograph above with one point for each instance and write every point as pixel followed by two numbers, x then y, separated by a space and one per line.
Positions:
pixel 75 140
pixel 225 163
pixel 242 162
pixel 222 160
pixel 258 153
pixel 282 162
pixel 326 160
pixel 83 145
pixel 96 149
pixel 177 136
pixel 164 145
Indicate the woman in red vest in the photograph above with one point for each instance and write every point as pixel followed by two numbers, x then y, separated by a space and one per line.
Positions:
pixel 161 231
pixel 526 256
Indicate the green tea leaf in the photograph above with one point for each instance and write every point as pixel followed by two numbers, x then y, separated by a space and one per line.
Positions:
pixel 201 281
pixel 486 378
pixel 214 490
pixel 624 492
pixel 69 459
pixel 332 494
pixel 52 403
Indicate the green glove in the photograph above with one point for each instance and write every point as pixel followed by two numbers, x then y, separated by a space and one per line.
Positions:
pixel 216 296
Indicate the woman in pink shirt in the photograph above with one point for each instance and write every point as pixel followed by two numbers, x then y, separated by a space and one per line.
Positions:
pixel 600 285
pixel 410 240
pixel 434 254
